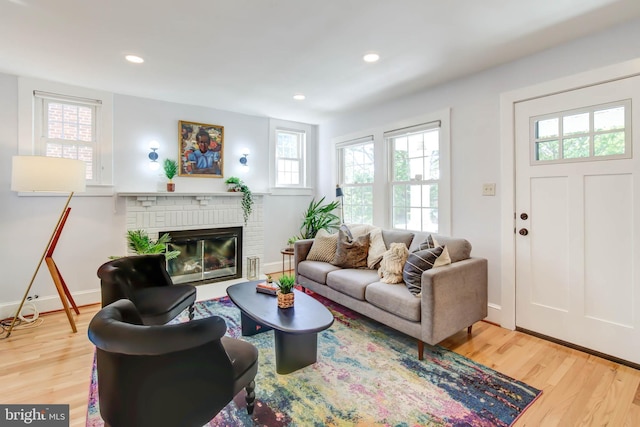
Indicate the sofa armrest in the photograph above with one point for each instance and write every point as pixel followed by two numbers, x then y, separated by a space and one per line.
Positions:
pixel 453 298
pixel 301 249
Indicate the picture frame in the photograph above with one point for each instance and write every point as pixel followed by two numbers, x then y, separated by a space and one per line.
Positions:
pixel 201 148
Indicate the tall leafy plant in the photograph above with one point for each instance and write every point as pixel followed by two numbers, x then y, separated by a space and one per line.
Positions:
pixel 140 243
pixel 319 216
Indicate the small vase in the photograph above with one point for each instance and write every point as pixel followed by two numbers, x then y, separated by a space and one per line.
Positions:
pixel 171 187
pixel 285 300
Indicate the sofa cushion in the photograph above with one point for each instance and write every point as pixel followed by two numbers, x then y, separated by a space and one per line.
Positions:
pixel 397 236
pixel 395 299
pixel 431 242
pixel 323 247
pixel 459 249
pixel 376 243
pixel 352 282
pixel 316 270
pixel 351 253
pixel 417 263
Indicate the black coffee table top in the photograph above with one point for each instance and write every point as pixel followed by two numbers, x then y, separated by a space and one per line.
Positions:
pixel 306 316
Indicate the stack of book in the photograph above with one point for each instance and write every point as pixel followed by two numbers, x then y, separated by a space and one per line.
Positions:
pixel 266 288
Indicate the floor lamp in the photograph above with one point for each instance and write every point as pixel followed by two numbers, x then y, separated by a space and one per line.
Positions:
pixel 340 194
pixel 56 175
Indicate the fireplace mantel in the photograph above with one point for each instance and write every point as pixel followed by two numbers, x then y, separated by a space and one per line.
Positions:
pixel 179 194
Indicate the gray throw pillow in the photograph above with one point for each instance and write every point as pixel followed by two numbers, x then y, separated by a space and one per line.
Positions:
pixel 417 263
pixel 351 253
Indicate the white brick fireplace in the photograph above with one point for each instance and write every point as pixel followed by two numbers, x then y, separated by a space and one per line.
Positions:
pixel 157 212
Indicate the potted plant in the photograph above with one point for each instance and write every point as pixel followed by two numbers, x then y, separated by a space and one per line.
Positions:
pixel 236 184
pixel 170 170
pixel 319 217
pixel 292 240
pixel 285 293
pixel 140 243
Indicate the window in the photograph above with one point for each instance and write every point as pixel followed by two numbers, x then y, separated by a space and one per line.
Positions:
pixel 598 132
pixel 290 148
pixel 415 177
pixel 68 130
pixel 356 174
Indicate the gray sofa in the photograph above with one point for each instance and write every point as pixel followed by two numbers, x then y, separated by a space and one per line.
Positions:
pixel 453 296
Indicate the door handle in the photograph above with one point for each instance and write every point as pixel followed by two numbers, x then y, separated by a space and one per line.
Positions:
pixel 524 216
pixel 523 231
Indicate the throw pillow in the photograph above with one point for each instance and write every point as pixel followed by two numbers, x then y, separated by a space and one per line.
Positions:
pixel 324 247
pixel 376 248
pixel 417 263
pixel 392 263
pixel 351 253
pixel 429 243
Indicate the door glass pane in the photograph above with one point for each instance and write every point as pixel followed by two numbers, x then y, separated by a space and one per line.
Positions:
pixel 577 123
pixel 547 128
pixel 612 118
pixel 547 150
pixel 608 144
pixel 573 148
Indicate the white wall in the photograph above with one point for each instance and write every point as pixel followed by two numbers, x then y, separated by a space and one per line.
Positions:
pixel 96 227
pixel 475 131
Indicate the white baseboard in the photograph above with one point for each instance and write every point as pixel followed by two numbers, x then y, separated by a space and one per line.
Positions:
pixel 49 303
pixel 494 314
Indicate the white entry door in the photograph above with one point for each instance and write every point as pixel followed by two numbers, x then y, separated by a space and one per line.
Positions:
pixel 578 217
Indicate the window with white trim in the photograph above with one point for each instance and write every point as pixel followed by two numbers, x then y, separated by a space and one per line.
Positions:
pixel 356 175
pixel 415 176
pixel 67 127
pixel 290 158
pixel 585 134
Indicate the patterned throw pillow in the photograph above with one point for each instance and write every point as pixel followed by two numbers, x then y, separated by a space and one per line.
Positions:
pixel 351 253
pixel 417 263
pixel 431 243
pixel 324 247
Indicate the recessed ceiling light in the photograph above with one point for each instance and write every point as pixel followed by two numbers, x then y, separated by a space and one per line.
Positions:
pixel 371 57
pixel 299 97
pixel 135 59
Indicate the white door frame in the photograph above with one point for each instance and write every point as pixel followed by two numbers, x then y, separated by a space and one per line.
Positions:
pixel 507 174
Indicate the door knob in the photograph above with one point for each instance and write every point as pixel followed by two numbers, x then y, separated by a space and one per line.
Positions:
pixel 523 231
pixel 524 216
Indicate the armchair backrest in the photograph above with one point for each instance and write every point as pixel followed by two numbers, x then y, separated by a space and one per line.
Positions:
pixel 121 277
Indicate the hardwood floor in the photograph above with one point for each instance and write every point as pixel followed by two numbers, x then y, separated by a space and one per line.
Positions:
pixel 51 365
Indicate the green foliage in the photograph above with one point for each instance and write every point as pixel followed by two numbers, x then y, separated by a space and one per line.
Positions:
pixel 247 196
pixel 319 217
pixel 170 168
pixel 140 243
pixel 286 283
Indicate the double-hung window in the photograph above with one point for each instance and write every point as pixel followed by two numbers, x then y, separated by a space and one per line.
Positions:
pixel 356 174
pixel 290 158
pixel 415 176
pixel 67 127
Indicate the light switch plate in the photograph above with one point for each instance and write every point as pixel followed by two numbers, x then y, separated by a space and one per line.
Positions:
pixel 489 189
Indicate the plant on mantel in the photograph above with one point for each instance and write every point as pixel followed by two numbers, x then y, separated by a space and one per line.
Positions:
pixel 170 170
pixel 236 184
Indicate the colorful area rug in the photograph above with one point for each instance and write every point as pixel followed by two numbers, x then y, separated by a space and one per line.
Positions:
pixel 366 375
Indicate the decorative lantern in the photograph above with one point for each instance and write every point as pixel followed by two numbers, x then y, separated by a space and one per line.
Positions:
pixel 253 267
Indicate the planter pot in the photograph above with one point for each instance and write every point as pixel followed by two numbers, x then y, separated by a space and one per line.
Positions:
pixel 233 187
pixel 285 300
pixel 171 187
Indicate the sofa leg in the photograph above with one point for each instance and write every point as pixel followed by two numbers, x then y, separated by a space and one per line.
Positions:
pixel 251 396
pixel 469 329
pixel 191 311
pixel 420 350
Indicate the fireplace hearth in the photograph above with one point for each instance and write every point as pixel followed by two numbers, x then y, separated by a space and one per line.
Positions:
pixel 206 255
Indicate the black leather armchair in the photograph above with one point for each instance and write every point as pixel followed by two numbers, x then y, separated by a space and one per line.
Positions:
pixel 178 375
pixel 143 279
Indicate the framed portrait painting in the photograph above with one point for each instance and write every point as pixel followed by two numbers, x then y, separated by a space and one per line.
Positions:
pixel 201 147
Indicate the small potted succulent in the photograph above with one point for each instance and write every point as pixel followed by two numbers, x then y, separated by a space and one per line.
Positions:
pixel 170 170
pixel 285 293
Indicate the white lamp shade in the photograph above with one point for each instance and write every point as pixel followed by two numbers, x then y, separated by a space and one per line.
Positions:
pixel 47 174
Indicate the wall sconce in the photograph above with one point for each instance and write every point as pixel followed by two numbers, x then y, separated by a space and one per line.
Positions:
pixel 153 156
pixel 243 159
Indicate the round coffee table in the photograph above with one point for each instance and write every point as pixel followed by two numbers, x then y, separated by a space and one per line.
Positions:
pixel 295 329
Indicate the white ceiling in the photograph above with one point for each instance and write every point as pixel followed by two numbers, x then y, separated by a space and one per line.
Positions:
pixel 252 56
